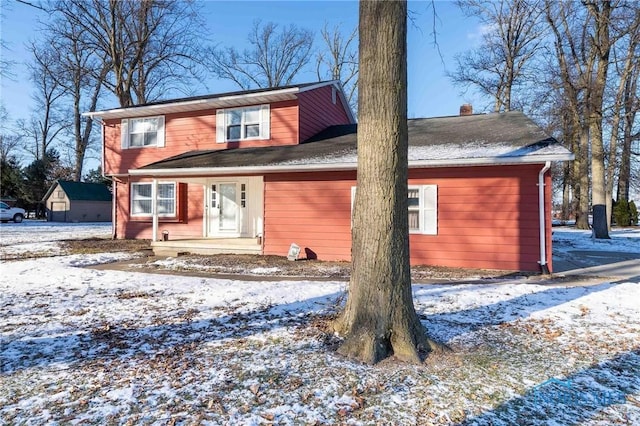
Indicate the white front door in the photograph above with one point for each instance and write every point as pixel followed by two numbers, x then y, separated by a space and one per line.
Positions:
pixel 228 201
pixel 225 213
pixel 234 207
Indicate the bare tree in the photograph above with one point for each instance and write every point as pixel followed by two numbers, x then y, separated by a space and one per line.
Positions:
pixel 629 103
pixel 9 141
pixel 273 59
pixel 512 38
pixel 47 121
pixel 82 72
pixel 570 33
pixel 379 318
pixel 9 146
pixel 339 61
pixel 599 52
pixel 151 46
pixel 6 65
pixel 626 71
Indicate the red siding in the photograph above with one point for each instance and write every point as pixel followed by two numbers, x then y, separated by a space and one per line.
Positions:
pixel 187 225
pixel 317 111
pixel 487 216
pixel 312 210
pixel 193 131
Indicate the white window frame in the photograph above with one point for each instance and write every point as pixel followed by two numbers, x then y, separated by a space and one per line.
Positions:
pixel 427 208
pixel 223 118
pixel 126 126
pixel 153 196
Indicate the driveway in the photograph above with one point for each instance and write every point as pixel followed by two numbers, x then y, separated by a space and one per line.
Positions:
pixel 619 265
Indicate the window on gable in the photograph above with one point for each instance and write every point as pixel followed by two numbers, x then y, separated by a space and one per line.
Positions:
pixel 142 132
pixel 423 208
pixel 142 199
pixel 239 124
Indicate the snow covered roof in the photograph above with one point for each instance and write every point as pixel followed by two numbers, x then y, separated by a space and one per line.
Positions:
pixel 483 139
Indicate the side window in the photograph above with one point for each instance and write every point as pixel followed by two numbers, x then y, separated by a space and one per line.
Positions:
pixel 142 132
pixel 423 208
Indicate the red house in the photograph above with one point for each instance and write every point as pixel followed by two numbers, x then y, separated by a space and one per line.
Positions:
pixel 258 170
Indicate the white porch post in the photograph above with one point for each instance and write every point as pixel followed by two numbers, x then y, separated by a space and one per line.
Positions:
pixel 154 210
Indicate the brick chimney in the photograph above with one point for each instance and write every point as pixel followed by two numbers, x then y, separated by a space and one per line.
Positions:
pixel 466 109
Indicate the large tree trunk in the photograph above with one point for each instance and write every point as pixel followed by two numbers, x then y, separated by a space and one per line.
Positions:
pixel 630 100
pixel 582 181
pixel 624 175
pixel 379 319
pixel 598 190
pixel 566 192
pixel 601 12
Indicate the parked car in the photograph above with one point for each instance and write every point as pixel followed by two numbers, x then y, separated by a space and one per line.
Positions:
pixel 7 213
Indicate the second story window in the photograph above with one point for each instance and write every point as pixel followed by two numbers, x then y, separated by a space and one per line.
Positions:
pixel 238 124
pixel 142 132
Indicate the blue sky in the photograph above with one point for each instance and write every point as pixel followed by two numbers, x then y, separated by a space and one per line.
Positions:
pixel 430 92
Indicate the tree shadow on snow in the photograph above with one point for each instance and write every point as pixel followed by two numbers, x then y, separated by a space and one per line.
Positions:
pixel 572 400
pixel 109 341
pixel 449 325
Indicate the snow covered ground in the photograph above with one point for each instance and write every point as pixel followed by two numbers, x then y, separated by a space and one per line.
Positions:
pixel 86 346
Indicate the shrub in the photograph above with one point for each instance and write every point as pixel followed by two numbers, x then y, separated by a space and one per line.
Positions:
pixel 633 213
pixel 625 213
pixel 621 213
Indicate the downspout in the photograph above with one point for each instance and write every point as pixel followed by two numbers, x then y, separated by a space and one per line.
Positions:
pixel 154 211
pixel 543 231
pixel 114 186
pixel 114 210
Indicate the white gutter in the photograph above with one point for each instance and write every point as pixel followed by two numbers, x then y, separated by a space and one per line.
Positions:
pixel 338 166
pixel 543 231
pixel 187 105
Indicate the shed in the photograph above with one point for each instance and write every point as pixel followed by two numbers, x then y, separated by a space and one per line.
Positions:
pixel 69 201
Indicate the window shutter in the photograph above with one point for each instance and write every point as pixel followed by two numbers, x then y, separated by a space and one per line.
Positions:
pixel 124 133
pixel 430 209
pixel 220 126
pixel 265 130
pixel 160 136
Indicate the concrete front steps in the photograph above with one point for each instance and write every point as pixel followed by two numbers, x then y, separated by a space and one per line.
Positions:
pixel 206 246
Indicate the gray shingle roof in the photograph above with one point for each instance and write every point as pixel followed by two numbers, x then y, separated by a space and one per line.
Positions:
pixel 503 137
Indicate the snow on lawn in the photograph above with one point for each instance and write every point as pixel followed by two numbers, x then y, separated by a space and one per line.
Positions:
pixel 79 345
pixel 37 238
pixel 624 240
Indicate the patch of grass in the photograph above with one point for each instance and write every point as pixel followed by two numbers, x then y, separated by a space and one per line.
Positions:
pixel 133 295
pixel 104 245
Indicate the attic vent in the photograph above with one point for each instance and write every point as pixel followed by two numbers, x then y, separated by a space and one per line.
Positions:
pixel 466 109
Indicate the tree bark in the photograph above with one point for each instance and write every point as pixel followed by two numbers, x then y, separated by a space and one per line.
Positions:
pixel 379 319
pixel 582 180
pixel 601 12
pixel 630 102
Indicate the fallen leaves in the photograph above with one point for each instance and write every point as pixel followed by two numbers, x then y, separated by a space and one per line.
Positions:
pixel 185 361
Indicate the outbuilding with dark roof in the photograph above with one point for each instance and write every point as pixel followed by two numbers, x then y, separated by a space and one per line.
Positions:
pixel 69 201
